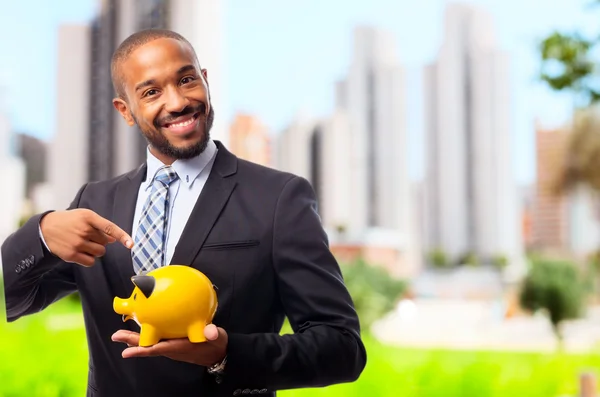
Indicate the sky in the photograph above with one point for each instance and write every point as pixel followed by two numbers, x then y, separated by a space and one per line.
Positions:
pixel 283 57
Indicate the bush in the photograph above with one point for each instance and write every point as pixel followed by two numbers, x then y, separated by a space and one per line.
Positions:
pixel 468 259
pixel 438 259
pixel 374 291
pixel 555 287
pixel 499 261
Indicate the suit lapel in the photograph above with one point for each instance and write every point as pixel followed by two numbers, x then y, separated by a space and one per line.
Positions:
pixel 123 213
pixel 208 207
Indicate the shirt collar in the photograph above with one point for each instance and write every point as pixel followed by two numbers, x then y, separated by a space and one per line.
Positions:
pixel 188 170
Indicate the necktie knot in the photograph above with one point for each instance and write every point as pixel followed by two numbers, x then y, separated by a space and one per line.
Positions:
pixel 166 175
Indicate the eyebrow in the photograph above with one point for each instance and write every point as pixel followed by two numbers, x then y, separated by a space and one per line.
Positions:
pixel 183 69
pixel 186 68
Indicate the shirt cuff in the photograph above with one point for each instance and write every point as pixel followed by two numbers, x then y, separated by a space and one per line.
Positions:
pixel 42 238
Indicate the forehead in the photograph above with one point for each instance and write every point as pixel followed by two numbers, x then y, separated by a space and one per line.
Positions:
pixel 157 59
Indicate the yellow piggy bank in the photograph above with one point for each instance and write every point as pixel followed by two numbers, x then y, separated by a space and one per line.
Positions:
pixel 170 302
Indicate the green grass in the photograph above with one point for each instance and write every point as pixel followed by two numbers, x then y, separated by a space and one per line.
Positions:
pixel 407 372
pixel 40 362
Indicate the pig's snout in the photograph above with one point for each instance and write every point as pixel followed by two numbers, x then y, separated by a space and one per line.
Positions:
pixel 122 306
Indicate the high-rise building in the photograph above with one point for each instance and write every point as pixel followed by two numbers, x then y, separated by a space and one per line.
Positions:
pixel 472 198
pixel 293 149
pixel 99 143
pixel 33 152
pixel 550 209
pixel 250 140
pixel 356 160
pixel 372 96
pixel 69 151
pixel 12 174
pixel 318 149
pixel 563 222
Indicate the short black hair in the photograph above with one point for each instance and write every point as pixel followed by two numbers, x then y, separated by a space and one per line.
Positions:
pixel 130 44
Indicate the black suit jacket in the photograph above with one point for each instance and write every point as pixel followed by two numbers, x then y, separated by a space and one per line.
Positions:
pixel 255 232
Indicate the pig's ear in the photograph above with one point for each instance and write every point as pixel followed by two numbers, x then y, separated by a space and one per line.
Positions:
pixel 144 283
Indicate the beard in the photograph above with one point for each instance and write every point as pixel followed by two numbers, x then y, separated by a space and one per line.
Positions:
pixel 159 141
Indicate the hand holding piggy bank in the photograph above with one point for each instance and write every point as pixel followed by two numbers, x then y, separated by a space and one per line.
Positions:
pixel 170 302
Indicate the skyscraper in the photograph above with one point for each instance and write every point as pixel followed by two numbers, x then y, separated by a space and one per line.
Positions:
pixel 12 174
pixel 471 195
pixel 318 149
pixel 356 159
pixel 69 150
pixel 372 96
pixel 550 220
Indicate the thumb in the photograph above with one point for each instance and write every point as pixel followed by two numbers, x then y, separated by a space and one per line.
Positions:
pixel 211 332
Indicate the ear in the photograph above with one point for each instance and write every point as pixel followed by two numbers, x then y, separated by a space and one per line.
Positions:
pixel 145 283
pixel 122 107
pixel 205 74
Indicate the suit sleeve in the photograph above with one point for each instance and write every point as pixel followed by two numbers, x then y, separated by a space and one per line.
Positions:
pixel 33 277
pixel 326 347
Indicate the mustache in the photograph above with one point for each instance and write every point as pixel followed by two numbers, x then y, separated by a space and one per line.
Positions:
pixel 201 108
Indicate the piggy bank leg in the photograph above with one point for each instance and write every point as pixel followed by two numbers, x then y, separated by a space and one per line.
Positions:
pixel 196 332
pixel 148 335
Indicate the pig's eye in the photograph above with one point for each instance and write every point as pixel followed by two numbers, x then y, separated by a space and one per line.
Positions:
pixel 134 296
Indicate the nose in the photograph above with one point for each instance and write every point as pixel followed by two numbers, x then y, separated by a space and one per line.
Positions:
pixel 176 101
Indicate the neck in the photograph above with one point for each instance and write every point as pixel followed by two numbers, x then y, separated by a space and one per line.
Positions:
pixel 166 160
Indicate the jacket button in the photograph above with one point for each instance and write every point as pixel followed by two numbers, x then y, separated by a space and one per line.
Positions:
pixel 237 392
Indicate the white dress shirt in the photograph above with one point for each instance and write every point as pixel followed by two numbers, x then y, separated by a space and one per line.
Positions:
pixel 183 193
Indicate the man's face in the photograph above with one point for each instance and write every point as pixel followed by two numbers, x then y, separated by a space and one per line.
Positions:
pixel 167 96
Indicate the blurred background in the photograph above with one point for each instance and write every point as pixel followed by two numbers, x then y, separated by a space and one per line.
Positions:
pixel 454 148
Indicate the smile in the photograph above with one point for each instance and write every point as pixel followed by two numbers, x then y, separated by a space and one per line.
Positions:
pixel 183 125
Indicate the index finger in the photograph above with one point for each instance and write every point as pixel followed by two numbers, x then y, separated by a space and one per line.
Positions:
pixel 110 229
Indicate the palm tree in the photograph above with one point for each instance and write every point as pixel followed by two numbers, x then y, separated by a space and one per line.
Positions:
pixel 568 65
pixel 582 163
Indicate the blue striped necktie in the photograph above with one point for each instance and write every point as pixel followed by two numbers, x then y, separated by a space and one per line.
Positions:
pixel 148 253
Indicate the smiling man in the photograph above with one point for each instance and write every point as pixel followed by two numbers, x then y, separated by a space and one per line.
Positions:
pixel 161 88
pixel 254 231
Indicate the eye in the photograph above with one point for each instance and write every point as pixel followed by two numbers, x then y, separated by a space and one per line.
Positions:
pixel 150 92
pixel 187 79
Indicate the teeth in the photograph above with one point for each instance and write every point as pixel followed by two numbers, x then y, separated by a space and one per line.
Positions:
pixel 183 124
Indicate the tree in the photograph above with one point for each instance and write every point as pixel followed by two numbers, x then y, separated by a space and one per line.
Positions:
pixel 555 287
pixel 374 291
pixel 582 163
pixel 568 65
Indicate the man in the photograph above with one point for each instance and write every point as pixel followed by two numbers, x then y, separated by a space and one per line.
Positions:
pixel 253 231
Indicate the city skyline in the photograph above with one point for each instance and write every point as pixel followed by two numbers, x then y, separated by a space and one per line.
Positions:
pixel 275 102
